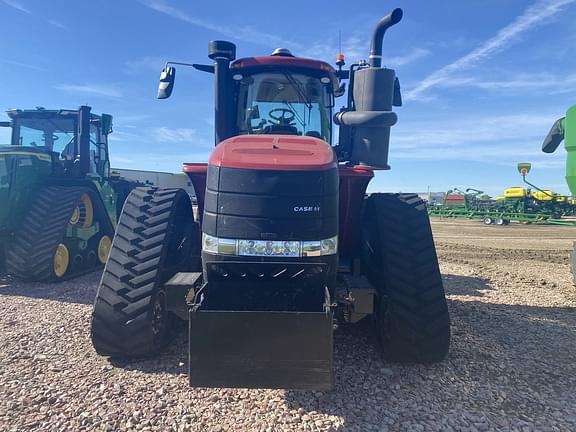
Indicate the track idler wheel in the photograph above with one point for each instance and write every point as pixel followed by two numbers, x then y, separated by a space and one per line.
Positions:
pixel 104 246
pixel 61 260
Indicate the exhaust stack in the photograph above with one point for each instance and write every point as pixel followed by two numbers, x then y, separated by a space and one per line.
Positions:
pixel 365 127
pixel 394 17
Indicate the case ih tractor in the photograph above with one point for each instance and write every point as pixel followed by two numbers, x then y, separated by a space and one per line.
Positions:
pixel 58 201
pixel 286 244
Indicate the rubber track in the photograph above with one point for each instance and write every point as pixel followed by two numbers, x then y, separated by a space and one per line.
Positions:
pixel 122 311
pixel 407 276
pixel 31 255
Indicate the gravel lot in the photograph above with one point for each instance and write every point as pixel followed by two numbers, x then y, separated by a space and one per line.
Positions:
pixel 512 364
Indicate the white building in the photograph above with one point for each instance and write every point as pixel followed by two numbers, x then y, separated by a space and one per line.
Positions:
pixel 159 179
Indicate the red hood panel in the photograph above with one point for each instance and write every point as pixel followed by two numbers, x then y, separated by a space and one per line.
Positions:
pixel 273 152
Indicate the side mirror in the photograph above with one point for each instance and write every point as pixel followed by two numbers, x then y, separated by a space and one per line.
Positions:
pixel 106 121
pixel 167 77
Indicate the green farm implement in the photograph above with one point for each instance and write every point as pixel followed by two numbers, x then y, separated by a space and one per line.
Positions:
pixel 58 201
pixel 564 129
pixel 516 204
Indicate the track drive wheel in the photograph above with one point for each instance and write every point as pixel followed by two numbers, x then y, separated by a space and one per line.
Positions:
pixel 399 259
pixel 155 238
pixel 83 214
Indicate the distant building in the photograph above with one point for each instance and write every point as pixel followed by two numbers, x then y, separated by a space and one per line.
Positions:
pixel 159 179
pixel 432 197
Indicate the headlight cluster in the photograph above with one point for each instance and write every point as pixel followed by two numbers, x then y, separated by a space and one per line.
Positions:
pixel 277 248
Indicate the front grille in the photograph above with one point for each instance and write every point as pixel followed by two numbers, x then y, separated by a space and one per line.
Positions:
pixel 252 271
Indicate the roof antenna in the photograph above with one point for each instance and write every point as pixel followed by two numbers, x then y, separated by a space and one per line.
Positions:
pixel 340 57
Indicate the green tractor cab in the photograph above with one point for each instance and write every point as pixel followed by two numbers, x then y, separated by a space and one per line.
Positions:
pixel 58 202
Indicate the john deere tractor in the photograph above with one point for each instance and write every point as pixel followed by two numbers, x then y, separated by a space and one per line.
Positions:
pixel 58 203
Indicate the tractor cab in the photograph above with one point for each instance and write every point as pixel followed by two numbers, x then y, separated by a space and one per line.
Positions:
pixel 285 95
pixel 67 142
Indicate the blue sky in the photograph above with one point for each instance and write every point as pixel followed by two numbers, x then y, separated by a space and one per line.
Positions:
pixel 482 81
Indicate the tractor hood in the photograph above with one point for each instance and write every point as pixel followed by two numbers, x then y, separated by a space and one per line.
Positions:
pixel 20 169
pixel 25 152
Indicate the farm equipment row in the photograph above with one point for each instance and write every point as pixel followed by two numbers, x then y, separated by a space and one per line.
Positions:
pixel 524 205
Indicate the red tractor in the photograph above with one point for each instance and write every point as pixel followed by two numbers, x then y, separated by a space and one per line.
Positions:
pixel 286 243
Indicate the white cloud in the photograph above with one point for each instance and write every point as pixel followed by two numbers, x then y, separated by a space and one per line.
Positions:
pixel 58 24
pixel 103 90
pixel 534 15
pixel 520 83
pixel 499 140
pixel 23 65
pixel 144 64
pixel 177 135
pixel 460 131
pixel 245 33
pixel 17 5
pixel 414 55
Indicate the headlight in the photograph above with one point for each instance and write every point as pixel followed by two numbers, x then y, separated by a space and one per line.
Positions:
pixel 277 248
pixel 219 246
pixel 329 246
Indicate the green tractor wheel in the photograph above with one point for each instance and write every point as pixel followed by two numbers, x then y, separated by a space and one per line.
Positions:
pixel 61 260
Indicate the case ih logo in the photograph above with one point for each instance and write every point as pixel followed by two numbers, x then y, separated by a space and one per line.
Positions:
pixel 303 209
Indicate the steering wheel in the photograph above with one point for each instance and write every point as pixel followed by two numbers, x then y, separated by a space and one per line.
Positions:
pixel 284 116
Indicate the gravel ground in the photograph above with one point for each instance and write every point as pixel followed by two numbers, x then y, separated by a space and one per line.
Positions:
pixel 512 364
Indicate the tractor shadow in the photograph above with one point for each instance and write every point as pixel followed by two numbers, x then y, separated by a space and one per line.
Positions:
pixel 466 285
pixel 80 290
pixel 511 347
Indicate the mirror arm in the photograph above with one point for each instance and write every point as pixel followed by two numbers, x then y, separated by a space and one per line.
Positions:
pixel 5 124
pixel 200 67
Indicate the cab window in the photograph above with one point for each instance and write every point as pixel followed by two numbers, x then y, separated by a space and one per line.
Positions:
pixel 284 103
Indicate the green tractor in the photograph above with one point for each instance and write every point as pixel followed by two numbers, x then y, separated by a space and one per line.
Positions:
pixel 58 202
pixel 564 129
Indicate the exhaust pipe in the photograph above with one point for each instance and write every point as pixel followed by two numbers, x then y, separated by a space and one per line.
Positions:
pixel 365 129
pixel 375 57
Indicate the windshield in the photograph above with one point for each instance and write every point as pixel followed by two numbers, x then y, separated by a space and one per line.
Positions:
pixel 56 134
pixel 284 103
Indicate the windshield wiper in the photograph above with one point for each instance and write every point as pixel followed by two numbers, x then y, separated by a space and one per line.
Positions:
pixel 299 90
